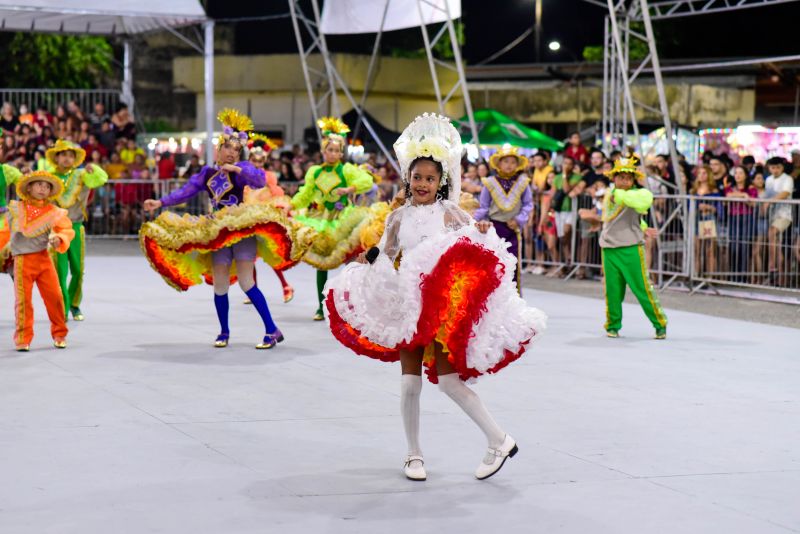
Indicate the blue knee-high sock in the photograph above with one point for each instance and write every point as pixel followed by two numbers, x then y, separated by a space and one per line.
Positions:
pixel 260 303
pixel 221 304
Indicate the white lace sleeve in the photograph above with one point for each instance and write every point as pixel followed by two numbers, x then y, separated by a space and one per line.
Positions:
pixel 390 244
pixel 455 217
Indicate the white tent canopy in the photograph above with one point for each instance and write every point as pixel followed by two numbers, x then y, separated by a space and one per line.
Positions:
pixel 118 17
pixel 367 16
pixel 99 17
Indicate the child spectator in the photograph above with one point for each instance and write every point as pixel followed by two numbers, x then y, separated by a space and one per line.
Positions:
pixel 129 153
pixel 778 186
pixel 541 170
pixel 25 117
pixel 576 150
pixel 166 166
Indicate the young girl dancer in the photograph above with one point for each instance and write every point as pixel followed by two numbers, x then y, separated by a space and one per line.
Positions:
pixel 325 197
pixel 450 306
pixel 186 249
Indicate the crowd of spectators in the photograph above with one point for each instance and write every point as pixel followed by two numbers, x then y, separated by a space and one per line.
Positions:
pixel 28 133
pixel 740 233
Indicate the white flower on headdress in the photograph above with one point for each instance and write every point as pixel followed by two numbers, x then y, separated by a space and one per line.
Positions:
pixel 432 135
pixel 428 148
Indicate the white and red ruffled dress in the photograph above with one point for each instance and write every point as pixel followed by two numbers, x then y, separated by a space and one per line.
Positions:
pixel 454 285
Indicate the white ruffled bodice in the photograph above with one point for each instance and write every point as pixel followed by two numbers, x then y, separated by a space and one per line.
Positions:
pixel 413 224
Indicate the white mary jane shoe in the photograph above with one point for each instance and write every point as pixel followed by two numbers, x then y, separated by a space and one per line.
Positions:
pixel 495 458
pixel 414 468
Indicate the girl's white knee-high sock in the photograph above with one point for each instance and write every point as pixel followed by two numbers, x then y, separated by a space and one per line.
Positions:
pixel 469 401
pixel 410 388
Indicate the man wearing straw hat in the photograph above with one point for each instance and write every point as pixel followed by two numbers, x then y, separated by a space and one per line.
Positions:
pixel 66 157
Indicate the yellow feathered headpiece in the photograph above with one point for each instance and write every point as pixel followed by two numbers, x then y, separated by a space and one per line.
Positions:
pixel 508 151
pixel 236 125
pixel 629 165
pixel 333 129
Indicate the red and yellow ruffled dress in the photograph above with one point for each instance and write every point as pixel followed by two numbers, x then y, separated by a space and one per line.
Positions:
pixel 179 248
pixel 453 286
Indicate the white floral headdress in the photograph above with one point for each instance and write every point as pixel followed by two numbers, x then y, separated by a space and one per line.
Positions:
pixel 432 135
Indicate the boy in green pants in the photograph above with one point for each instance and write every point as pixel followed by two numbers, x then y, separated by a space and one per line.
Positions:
pixel 622 243
pixel 66 157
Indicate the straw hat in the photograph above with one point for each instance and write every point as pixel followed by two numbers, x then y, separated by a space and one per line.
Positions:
pixel 629 165
pixel 508 151
pixel 39 176
pixel 63 145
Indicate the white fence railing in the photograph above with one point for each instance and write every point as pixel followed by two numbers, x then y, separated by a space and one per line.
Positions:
pixel 752 243
pixel 51 98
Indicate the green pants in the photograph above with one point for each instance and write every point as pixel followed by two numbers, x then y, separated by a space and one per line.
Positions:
pixel 625 266
pixel 71 262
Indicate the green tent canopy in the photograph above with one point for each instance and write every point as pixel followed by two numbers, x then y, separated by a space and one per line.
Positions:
pixel 497 129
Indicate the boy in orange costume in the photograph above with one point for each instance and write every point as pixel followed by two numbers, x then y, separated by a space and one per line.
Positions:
pixel 35 224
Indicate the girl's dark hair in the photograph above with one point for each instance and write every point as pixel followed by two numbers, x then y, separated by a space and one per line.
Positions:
pixel 748 181
pixel 443 193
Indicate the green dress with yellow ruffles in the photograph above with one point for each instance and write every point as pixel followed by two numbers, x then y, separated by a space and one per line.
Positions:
pixel 338 223
pixel 8 176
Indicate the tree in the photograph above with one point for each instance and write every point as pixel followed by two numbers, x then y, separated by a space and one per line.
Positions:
pixel 637 50
pixel 442 49
pixel 48 61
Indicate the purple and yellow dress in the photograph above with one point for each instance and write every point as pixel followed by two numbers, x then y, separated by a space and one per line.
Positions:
pixel 182 249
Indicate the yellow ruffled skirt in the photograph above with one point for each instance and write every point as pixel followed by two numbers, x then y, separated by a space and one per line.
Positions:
pixel 179 247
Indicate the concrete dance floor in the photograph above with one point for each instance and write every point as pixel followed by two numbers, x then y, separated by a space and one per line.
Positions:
pixel 141 426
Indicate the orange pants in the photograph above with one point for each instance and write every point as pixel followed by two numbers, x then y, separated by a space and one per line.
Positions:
pixel 37 268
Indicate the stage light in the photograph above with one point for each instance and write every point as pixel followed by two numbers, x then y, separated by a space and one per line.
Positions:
pixel 555 46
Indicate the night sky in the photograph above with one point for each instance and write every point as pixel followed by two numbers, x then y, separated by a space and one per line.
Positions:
pixel 489 26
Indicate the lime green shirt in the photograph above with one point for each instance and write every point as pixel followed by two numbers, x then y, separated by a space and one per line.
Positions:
pixel 322 180
pixel 8 177
pixel 558 183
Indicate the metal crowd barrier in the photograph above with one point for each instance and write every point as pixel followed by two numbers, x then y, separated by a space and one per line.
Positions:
pixel 50 98
pixel 745 242
pixel 553 242
pixel 698 241
pixel 115 209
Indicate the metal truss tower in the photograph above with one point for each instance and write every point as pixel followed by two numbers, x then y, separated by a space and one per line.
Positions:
pixel 623 26
pixel 624 19
pixel 323 85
